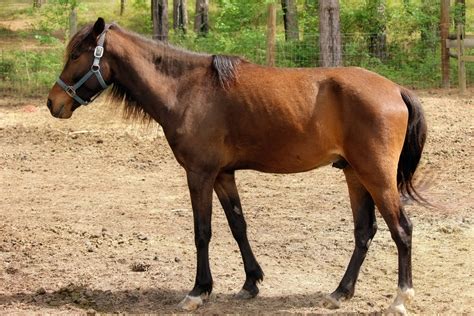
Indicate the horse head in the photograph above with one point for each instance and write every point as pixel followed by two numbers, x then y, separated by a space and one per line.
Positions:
pixel 86 72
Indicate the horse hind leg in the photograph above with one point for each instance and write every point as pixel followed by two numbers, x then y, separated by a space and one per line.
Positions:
pixel 365 227
pixel 228 195
pixel 380 180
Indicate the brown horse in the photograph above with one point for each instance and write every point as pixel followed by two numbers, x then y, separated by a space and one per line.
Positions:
pixel 222 113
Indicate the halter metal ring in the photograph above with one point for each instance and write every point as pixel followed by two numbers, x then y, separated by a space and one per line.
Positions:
pixel 99 52
pixel 95 68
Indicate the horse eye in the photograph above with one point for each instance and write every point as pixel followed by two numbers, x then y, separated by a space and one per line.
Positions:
pixel 75 56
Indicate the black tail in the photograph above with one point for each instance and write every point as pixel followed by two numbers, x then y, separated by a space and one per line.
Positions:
pixel 412 148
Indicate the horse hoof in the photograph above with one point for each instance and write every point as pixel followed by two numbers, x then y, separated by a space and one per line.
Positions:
pixel 330 302
pixel 245 295
pixel 397 309
pixel 398 306
pixel 190 303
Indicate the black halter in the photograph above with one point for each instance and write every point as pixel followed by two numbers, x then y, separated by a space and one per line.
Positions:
pixel 95 70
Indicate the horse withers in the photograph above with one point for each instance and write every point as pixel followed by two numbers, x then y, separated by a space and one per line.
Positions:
pixel 221 114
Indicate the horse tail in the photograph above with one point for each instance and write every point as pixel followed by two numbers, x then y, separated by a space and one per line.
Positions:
pixel 412 147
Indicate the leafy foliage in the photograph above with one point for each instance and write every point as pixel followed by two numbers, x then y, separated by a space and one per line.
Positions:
pixel 238 27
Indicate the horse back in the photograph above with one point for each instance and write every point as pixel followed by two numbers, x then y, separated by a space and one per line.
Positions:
pixel 303 115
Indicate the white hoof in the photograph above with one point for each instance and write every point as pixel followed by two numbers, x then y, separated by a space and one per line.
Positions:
pixel 331 302
pixel 398 306
pixel 190 303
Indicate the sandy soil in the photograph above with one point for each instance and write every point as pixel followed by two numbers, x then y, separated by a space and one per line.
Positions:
pixel 95 216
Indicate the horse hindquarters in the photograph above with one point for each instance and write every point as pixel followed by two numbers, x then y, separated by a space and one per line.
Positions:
pixel 377 152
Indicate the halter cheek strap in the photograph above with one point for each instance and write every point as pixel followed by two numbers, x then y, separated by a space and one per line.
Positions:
pixel 95 70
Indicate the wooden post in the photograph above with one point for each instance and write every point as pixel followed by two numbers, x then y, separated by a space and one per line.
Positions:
pixel 461 63
pixel 72 22
pixel 271 34
pixel 444 27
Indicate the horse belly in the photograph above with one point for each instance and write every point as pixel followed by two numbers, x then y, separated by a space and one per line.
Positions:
pixel 292 156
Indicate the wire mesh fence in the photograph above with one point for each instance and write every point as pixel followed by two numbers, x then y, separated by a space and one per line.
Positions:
pixel 408 61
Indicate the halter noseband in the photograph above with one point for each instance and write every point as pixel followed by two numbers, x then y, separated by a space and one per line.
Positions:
pixel 95 70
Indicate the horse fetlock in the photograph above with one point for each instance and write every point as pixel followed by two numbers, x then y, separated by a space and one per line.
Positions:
pixel 333 301
pixel 191 303
pixel 247 294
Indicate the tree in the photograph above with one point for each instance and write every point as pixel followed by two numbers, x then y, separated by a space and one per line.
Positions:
pixel 377 40
pixel 329 34
pixel 159 12
pixel 290 19
pixel 180 15
pixel 122 6
pixel 201 19
pixel 428 24
pixel 309 19
pixel 38 3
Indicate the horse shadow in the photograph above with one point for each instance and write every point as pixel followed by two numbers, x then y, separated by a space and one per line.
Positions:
pixel 159 300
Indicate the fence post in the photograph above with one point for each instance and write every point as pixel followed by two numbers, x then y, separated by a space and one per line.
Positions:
pixel 461 64
pixel 444 26
pixel 72 22
pixel 271 34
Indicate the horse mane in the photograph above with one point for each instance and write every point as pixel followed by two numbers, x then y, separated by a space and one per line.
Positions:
pixel 223 69
pixel 131 109
pixel 77 39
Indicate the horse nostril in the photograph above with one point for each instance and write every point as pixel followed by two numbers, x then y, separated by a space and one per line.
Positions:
pixel 49 104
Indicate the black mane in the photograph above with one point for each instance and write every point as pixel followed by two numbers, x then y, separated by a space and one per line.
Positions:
pixel 225 69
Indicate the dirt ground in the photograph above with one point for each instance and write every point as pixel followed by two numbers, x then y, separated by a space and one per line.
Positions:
pixel 95 216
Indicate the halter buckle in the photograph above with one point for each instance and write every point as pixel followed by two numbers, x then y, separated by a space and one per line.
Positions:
pixel 70 91
pixel 99 52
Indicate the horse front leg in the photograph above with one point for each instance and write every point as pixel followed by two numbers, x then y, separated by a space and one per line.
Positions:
pixel 228 195
pixel 200 188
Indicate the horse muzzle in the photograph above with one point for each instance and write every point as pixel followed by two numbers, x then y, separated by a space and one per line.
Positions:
pixel 62 111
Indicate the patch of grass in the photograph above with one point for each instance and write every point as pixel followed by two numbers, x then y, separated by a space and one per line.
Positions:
pixel 29 73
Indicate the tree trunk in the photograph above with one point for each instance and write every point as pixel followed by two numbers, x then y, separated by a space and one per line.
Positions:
pixel 72 22
pixel 290 19
pixel 377 31
pixel 201 19
pixel 271 34
pixel 160 19
pixel 444 27
pixel 122 6
pixel 37 3
pixel 180 15
pixel 329 34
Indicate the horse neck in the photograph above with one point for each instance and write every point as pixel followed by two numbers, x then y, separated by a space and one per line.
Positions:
pixel 153 73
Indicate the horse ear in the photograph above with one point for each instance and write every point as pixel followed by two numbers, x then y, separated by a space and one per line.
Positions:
pixel 98 27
